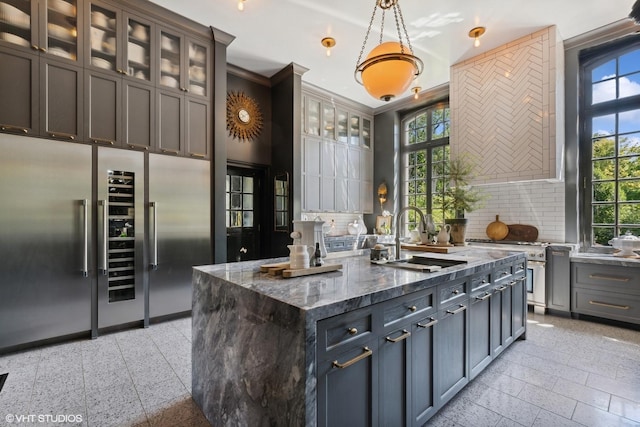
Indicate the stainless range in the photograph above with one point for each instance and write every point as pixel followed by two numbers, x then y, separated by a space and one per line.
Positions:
pixel 536 265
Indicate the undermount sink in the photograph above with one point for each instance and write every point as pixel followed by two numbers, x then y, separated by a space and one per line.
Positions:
pixel 422 263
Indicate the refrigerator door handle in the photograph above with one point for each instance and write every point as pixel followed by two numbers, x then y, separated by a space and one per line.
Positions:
pixel 85 248
pixel 154 246
pixel 105 237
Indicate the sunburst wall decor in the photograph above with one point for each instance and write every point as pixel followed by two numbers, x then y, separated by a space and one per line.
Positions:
pixel 244 119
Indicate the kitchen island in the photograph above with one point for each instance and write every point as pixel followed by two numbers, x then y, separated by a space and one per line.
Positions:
pixel 313 350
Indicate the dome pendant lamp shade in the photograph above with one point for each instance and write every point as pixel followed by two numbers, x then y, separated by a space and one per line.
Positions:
pixel 390 67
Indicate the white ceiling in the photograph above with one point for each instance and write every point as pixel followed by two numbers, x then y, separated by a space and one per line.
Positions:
pixel 271 34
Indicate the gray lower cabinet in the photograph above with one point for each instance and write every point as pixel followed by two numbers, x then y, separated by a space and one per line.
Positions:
pixel 347 370
pixel 397 362
pixel 607 291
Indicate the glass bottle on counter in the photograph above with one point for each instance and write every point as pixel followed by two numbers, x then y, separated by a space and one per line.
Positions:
pixel 317 256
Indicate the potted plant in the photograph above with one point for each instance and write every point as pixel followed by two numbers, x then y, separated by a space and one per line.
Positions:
pixel 459 197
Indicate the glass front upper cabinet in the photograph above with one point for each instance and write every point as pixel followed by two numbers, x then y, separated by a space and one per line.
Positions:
pixel 170 70
pixel 197 68
pixel 329 122
pixel 103 38
pixel 313 117
pixel 354 129
pixel 62 28
pixel 139 49
pixel 343 126
pixel 58 32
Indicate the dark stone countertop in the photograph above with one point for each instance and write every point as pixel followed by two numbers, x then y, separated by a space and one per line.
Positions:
pixel 604 259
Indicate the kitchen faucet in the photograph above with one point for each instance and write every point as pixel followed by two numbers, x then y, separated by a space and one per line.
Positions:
pixel 422 220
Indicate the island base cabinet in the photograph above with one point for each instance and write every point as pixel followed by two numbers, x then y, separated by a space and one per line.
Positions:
pixel 452 340
pixel 346 386
pixel 394 374
pixel 479 332
pixel 422 370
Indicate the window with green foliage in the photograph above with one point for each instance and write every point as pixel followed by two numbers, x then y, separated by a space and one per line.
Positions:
pixel 610 142
pixel 424 154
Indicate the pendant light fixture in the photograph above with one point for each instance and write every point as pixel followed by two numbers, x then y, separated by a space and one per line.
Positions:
pixel 328 42
pixel 390 67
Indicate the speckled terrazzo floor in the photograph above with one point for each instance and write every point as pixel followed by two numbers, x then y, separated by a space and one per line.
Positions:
pixel 567 373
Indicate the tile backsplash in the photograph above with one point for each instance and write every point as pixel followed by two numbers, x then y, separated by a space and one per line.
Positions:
pixel 537 203
pixel 341 220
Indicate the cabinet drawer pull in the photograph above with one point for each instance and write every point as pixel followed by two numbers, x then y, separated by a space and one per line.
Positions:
pixel 366 353
pixel 615 279
pixel 513 282
pixel 102 141
pixel 41 49
pixel 166 150
pixel 34 47
pixel 60 135
pixel 462 308
pixel 405 334
pixel 501 288
pixel 138 147
pixel 412 308
pixel 13 129
pixel 484 297
pixel 455 292
pixel 604 304
pixel 504 273
pixel 352 331
pixel 201 156
pixel 428 325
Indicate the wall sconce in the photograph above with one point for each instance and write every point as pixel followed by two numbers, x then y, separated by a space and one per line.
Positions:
pixel 475 34
pixel 382 195
pixel 328 42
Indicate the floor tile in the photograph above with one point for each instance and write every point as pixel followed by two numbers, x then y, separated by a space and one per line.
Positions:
pixel 582 393
pixel 594 417
pixel 549 400
pixel 624 389
pixel 504 383
pixel 118 405
pixel 467 413
pixel 625 408
pixel 153 395
pixel 548 419
pixel 509 406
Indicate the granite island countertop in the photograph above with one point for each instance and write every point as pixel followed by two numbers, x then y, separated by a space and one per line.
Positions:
pixel 359 283
pixel 254 342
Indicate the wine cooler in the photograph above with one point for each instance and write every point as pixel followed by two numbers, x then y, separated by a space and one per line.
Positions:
pixel 121 247
pixel 120 183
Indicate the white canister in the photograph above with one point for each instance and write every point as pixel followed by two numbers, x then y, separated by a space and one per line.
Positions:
pixel 298 257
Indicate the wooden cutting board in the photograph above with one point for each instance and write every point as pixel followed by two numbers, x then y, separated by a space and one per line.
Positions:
pixel 522 233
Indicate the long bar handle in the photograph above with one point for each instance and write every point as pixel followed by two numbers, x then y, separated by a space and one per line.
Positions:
pixel 405 334
pixel 85 230
pixel 428 325
pixel 154 246
pixel 486 295
pixel 102 141
pixel 105 237
pixel 198 155
pixel 138 147
pixel 366 353
pixel 61 135
pixel 604 304
pixel 7 128
pixel 462 308
pixel 166 150
pixel 615 279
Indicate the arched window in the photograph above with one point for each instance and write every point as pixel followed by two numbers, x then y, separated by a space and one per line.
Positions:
pixel 610 140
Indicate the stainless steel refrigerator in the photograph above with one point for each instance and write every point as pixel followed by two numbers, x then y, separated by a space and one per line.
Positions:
pixel 95 237
pixel 45 239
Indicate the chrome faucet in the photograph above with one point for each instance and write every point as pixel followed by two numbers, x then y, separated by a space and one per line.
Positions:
pixel 403 210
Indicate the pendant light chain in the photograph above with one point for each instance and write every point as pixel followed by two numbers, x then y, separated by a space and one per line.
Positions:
pixel 366 36
pixel 404 27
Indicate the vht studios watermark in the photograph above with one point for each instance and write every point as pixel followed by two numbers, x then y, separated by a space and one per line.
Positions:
pixel 43 418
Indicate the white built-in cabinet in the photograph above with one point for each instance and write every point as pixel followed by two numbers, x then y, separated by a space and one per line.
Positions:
pixel 337 158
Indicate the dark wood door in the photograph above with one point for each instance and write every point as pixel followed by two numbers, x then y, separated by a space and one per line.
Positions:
pixel 61 108
pixel 19 92
pixel 479 332
pixel 244 213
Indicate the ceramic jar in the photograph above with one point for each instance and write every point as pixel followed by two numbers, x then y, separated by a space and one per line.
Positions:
pixel 298 257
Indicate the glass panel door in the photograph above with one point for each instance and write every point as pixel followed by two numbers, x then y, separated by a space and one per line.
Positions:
pixel 121 249
pixel 103 38
pixel 170 72
pixel 197 69
pixel 15 22
pixel 62 28
pixel 139 50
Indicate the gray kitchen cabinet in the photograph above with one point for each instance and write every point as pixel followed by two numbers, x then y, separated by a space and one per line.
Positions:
pixel 479 331
pixel 184 108
pixel 452 344
pixel 518 299
pixel 41 79
pixel 606 291
pixel 406 394
pixel 119 92
pixel 347 370
pixel 558 278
